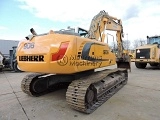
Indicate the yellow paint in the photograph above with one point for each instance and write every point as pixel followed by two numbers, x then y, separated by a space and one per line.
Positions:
pixel 50 44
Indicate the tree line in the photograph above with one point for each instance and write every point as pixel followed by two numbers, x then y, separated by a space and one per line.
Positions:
pixel 128 45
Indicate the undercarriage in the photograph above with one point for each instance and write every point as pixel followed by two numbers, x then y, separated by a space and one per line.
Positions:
pixel 86 90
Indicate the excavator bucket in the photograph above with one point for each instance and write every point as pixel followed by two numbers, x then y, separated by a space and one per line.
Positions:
pixel 124 62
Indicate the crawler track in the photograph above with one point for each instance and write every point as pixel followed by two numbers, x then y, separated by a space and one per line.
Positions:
pixel 35 85
pixel 26 83
pixel 88 93
pixel 84 94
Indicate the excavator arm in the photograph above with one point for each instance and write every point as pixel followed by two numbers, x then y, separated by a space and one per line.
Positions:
pixel 103 21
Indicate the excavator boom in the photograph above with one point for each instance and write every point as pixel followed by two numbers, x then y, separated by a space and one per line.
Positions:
pixel 103 21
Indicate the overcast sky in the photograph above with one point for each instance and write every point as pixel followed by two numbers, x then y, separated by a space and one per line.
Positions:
pixel 139 17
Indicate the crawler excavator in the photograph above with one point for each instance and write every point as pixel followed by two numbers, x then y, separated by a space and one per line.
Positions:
pixel 65 57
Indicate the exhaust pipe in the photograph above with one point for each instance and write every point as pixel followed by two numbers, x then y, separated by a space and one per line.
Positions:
pixel 33 31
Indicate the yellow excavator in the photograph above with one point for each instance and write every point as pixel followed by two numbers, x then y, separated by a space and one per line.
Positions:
pixel 70 57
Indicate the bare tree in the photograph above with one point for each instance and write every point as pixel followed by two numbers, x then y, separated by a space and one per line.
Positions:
pixel 126 44
pixel 142 42
pixel 138 42
pixel 135 43
pixel 113 46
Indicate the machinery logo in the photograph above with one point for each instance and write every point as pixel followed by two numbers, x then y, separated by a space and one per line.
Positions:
pixel 63 61
pixel 84 57
pixel 78 61
pixel 33 58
